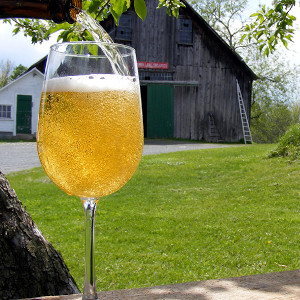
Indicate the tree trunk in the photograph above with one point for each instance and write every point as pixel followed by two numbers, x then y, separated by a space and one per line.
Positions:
pixel 29 265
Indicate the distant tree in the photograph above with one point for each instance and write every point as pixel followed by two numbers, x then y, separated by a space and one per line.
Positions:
pixel 273 121
pixel 225 16
pixel 268 27
pixel 5 71
pixel 17 71
pixel 9 73
pixel 295 111
pixel 273 95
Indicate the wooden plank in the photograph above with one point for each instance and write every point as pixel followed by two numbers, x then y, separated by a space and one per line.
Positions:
pixel 260 286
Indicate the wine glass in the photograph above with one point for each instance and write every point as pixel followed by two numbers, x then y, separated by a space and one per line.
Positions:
pixel 90 131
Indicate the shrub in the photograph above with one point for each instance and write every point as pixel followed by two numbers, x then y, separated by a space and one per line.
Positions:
pixel 289 144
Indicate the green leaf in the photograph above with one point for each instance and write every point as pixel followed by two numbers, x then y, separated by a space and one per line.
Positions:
pixel 57 27
pixel 270 12
pixel 105 15
pixel 267 52
pixel 117 7
pixel 243 37
pixel 271 39
pixel 7 21
pixel 140 9
pixel 284 42
pixel 115 15
pixel 261 19
pixel 278 8
pixel 289 22
pixel 292 17
pixel 93 49
pixel 289 37
pixel 63 36
pixel 94 5
pixel 259 34
pixel 16 30
pixel 261 47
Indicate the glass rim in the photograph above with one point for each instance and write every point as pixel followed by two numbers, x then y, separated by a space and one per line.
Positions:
pixel 55 47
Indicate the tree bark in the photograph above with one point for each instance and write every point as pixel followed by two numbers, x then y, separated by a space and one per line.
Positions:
pixel 29 265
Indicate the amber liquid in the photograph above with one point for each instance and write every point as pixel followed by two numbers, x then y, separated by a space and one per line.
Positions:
pixel 90 142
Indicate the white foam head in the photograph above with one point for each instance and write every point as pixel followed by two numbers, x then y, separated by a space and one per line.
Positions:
pixel 91 83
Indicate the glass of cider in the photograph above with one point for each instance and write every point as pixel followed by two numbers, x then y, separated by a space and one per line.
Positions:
pixel 90 129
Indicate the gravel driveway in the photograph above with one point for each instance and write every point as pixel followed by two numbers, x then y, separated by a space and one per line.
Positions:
pixel 22 156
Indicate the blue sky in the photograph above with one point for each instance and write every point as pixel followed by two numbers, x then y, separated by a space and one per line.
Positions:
pixel 19 50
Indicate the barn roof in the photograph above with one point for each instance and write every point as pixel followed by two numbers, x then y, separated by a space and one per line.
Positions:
pixel 41 64
pixel 196 16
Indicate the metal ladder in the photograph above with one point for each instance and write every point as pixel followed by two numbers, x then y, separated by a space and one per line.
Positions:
pixel 244 119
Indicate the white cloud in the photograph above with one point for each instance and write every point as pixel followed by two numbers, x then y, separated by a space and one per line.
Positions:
pixel 18 48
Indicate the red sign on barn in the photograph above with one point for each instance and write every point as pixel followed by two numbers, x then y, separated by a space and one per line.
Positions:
pixel 152 65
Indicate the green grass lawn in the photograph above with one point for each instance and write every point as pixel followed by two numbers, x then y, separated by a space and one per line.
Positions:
pixel 184 216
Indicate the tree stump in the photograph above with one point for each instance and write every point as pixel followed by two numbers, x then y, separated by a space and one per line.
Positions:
pixel 29 264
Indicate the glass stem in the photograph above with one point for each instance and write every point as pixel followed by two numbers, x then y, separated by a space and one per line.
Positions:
pixel 89 290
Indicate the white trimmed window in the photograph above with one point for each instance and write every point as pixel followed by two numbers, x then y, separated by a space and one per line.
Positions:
pixel 5 111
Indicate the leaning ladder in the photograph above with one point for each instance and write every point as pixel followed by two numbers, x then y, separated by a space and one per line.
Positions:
pixel 245 123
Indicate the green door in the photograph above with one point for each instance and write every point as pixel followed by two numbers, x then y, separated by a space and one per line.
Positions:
pixel 24 114
pixel 160 111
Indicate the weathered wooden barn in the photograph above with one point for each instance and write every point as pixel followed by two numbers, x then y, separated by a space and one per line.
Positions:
pixel 187 73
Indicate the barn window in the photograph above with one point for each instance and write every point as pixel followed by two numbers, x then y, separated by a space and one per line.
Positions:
pixel 156 76
pixel 185 31
pixel 5 111
pixel 124 29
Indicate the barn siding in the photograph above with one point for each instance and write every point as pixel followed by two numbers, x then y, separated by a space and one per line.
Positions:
pixel 208 61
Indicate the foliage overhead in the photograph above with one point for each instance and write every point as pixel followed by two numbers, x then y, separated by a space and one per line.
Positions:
pixel 271 26
pixel 40 30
